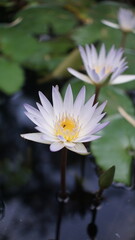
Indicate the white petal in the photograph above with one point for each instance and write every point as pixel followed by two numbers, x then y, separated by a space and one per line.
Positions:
pixel 37 120
pixel 122 79
pixel 79 75
pixel 68 100
pixel 36 137
pixel 83 55
pixel 79 148
pixel 89 56
pixel 99 110
pixel 91 124
pixel 88 138
pixel 40 122
pixel 117 72
pixel 69 144
pixel 57 101
pixel 45 115
pixel 32 110
pixel 94 56
pixel 94 76
pixel 102 53
pixel 110 56
pixel 86 115
pixel 111 24
pixel 99 127
pixel 46 104
pixel 56 146
pixel 90 102
pixel 45 131
pixel 79 101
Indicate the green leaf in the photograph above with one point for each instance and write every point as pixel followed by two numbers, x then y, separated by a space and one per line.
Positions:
pixel 49 54
pixel 114 148
pixel 115 97
pixel 88 34
pixel 106 179
pixel 41 19
pixel 130 58
pixel 106 10
pixel 17 45
pixel 11 76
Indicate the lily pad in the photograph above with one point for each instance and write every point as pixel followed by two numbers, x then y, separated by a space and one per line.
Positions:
pixel 88 34
pixel 115 148
pixel 49 54
pixel 41 19
pixel 17 45
pixel 11 76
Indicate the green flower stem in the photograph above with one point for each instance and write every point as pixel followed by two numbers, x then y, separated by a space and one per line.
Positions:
pixel 97 91
pixel 123 39
pixel 63 193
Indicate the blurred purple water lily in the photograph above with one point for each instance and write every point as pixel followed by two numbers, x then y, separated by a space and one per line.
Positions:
pixel 103 68
pixel 126 21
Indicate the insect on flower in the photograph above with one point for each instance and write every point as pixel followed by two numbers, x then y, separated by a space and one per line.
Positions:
pixel 66 123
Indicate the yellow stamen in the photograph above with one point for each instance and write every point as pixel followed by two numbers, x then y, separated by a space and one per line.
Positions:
pixel 68 128
pixel 98 69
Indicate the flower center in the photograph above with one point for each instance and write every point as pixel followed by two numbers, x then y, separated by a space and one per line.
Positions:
pixel 68 128
pixel 108 69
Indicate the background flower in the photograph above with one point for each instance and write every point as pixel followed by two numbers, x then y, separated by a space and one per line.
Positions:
pixel 126 21
pixel 66 124
pixel 103 68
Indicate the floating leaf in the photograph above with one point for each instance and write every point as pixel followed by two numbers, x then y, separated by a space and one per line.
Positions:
pixel 11 76
pixel 17 45
pixel 41 19
pixel 88 34
pixel 49 54
pixel 115 147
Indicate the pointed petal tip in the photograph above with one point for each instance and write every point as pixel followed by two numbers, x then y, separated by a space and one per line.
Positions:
pixel 22 135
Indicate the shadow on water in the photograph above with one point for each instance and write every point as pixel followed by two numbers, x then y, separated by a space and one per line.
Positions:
pixel 29 183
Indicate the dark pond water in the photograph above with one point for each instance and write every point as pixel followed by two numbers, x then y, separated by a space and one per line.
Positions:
pixel 30 181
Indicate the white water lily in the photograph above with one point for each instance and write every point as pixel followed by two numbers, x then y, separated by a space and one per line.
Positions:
pixel 103 68
pixel 126 21
pixel 66 123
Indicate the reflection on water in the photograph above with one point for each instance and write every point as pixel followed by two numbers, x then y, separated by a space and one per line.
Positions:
pixel 29 183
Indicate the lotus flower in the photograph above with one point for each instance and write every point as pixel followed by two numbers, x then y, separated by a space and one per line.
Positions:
pixel 126 21
pixel 66 123
pixel 103 68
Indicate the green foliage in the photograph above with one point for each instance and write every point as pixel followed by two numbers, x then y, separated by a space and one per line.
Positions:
pixel 11 76
pixel 17 45
pixel 115 147
pixel 46 40
pixel 42 19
